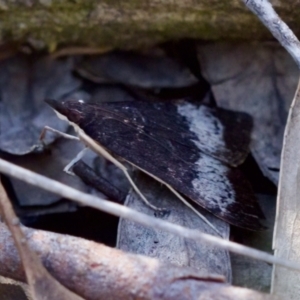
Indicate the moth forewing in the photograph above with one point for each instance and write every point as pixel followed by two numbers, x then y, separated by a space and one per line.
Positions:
pixel 215 131
pixel 167 142
pixel 181 198
pixel 103 152
pixel 97 148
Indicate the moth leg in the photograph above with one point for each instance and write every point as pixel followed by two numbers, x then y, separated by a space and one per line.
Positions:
pixel 103 152
pixel 78 157
pixel 60 133
pixel 185 202
pixel 66 136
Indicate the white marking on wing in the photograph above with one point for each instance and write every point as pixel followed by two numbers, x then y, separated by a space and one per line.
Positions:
pixel 208 129
pixel 212 181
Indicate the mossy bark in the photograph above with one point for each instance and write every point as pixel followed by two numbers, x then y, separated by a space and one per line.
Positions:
pixel 132 23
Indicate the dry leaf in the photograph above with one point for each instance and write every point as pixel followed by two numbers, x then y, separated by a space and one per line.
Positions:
pixel 135 69
pixel 24 83
pixel 138 239
pixel 248 272
pixel 110 93
pixel 257 79
pixel 287 226
pixel 51 164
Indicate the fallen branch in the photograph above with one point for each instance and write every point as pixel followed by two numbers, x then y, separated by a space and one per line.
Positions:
pixel 94 271
pixel 41 284
pixel 127 213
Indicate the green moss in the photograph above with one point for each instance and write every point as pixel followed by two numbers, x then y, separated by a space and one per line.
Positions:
pixel 127 24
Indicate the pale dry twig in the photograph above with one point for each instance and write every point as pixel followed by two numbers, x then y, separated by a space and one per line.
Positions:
pixel 127 213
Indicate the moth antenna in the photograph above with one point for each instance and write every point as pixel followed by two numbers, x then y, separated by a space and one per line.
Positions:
pixel 101 151
pixel 60 133
pixel 184 201
pixel 66 136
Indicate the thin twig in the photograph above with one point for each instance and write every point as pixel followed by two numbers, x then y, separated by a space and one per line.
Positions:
pixel 265 12
pixel 127 213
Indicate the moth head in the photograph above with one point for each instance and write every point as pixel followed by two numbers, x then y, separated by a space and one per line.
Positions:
pixel 70 110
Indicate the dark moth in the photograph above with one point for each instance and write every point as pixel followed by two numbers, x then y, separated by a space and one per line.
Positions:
pixel 194 149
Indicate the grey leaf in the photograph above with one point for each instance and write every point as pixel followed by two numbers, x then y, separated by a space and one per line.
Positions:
pixel 137 239
pixel 50 164
pixel 24 84
pixel 146 71
pixel 259 80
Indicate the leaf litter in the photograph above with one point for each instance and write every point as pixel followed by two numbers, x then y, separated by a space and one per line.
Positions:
pixel 225 83
pixel 259 79
pixel 138 239
pixel 25 81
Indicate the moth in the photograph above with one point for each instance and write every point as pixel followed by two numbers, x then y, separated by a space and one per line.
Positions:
pixel 193 149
